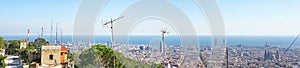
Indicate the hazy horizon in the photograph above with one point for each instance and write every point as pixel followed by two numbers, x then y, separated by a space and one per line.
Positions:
pixel 256 17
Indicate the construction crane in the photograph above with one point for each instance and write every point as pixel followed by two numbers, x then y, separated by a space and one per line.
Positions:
pixel 112 28
pixel 290 45
pixel 111 22
pixel 163 31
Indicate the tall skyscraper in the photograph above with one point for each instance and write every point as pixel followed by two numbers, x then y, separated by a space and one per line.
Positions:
pixel 277 55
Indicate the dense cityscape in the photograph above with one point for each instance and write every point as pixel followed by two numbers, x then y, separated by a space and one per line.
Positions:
pixel 149 34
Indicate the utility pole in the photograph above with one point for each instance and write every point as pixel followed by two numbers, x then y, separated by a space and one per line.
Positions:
pixel 28 32
pixel 51 31
pixel 61 37
pixel 111 22
pixel 56 35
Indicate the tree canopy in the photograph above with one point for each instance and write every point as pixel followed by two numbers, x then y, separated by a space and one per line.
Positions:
pixel 3 44
pixel 40 42
pixel 103 57
pixel 2 62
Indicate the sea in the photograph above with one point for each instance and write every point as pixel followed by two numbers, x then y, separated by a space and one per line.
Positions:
pixel 172 40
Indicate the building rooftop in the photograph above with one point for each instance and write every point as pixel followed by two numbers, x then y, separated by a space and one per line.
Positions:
pixel 63 49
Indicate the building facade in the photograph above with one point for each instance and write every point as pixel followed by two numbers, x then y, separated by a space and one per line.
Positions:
pixel 51 55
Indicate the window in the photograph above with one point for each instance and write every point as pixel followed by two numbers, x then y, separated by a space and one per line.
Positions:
pixel 51 57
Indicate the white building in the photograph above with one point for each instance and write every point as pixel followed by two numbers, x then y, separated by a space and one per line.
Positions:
pixel 13 62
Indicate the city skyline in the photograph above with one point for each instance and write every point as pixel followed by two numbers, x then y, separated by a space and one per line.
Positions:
pixel 248 18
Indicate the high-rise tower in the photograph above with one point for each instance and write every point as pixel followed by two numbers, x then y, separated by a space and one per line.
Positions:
pixel 277 55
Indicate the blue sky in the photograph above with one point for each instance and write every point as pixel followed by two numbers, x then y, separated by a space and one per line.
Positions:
pixel 241 17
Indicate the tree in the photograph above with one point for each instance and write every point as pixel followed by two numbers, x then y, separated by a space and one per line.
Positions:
pixel 31 46
pixel 13 45
pixel 88 59
pixel 40 42
pixel 99 56
pixel 2 43
pixel 2 62
pixel 25 54
pixel 70 56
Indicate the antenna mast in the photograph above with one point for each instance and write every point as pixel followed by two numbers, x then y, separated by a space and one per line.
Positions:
pixel 56 35
pixel 51 31
pixel 28 32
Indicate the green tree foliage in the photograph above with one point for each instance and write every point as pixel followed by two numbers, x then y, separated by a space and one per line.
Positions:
pixel 25 54
pixel 2 62
pixel 13 46
pixel 70 55
pixel 88 59
pixel 31 46
pixel 158 66
pixel 108 57
pixel 40 42
pixel 2 43
pixel 100 56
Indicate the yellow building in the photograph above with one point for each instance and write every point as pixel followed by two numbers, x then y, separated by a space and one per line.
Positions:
pixel 23 44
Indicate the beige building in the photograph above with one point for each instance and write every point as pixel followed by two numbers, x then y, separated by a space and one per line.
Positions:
pixel 51 55
pixel 23 44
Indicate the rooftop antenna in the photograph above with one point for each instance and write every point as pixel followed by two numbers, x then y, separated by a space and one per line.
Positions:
pixel 28 32
pixel 61 37
pixel 51 31
pixel 56 35
pixel 290 46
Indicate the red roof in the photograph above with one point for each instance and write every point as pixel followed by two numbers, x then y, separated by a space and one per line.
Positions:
pixel 63 49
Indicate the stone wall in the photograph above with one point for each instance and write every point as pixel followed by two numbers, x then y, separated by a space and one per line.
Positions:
pixel 51 50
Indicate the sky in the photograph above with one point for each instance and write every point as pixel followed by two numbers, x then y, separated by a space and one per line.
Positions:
pixel 241 17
